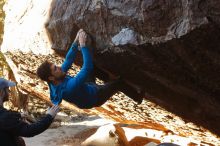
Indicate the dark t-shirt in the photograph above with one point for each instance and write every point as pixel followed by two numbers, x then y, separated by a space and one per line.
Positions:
pixel 12 126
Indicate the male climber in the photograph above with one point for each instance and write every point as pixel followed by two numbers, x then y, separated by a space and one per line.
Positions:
pixel 76 89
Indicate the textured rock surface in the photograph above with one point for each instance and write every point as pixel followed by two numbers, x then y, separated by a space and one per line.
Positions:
pixel 152 21
pixel 172 49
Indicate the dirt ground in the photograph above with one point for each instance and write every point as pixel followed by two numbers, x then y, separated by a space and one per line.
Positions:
pixel 70 133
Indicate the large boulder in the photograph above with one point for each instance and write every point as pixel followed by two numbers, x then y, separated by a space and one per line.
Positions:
pixel 170 48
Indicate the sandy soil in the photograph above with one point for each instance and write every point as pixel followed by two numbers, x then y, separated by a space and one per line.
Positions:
pixel 69 133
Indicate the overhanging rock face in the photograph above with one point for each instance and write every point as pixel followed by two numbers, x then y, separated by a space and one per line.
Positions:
pixel 169 49
pixel 124 22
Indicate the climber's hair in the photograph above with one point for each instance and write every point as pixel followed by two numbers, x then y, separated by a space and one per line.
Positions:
pixel 44 72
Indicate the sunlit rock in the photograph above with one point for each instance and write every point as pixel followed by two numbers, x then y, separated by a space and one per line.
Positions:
pixel 119 135
pixel 24 27
pixel 125 36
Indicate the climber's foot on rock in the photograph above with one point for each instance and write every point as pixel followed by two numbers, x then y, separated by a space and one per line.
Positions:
pixel 133 91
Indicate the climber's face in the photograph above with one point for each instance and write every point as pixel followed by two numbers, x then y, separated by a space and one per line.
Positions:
pixel 56 72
